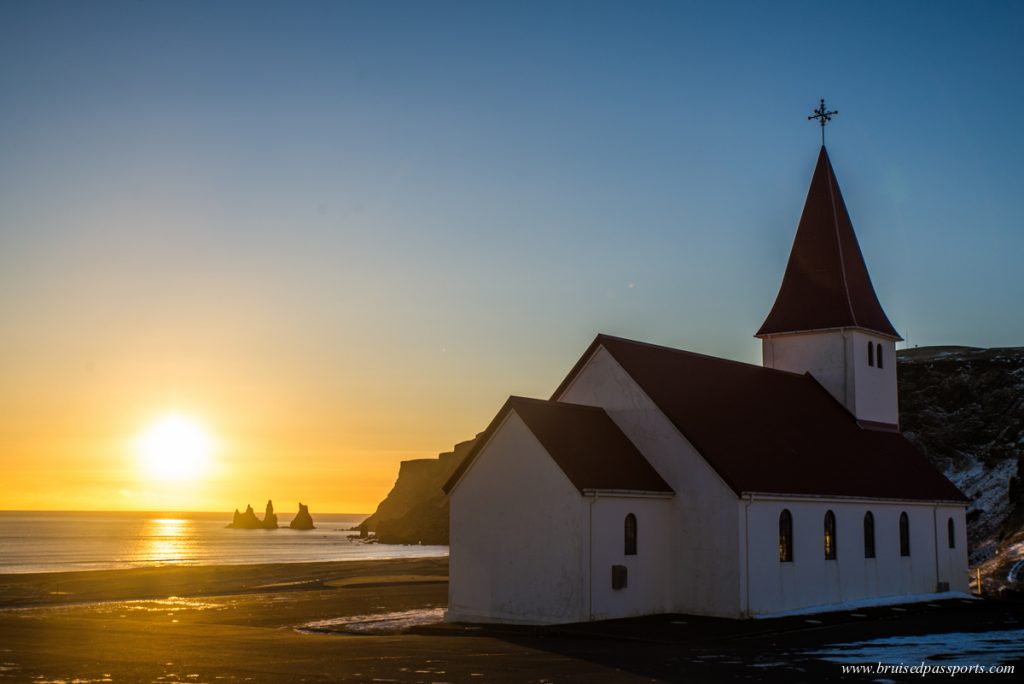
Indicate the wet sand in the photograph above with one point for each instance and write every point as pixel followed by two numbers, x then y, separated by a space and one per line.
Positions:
pixel 250 624
pixel 322 622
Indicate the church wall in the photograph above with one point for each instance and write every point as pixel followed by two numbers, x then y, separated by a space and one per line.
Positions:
pixel 648 572
pixel 704 570
pixel 953 566
pixel 811 580
pixel 822 354
pixel 838 359
pixel 875 397
pixel 518 532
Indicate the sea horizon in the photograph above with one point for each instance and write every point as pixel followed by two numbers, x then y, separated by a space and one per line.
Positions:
pixel 66 541
pixel 60 511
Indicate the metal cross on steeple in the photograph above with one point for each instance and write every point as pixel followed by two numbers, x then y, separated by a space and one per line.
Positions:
pixel 824 116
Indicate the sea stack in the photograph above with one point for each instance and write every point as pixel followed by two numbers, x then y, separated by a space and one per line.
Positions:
pixel 302 520
pixel 246 521
pixel 270 518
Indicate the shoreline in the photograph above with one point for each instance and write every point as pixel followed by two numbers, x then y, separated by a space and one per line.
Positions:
pixel 42 589
pixel 383 555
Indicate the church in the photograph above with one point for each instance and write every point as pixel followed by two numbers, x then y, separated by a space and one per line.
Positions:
pixel 657 480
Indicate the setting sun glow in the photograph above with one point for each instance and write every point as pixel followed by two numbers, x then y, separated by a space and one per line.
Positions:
pixel 175 448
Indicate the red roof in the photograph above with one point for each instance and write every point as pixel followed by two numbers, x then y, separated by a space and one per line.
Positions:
pixel 771 431
pixel 582 440
pixel 826 284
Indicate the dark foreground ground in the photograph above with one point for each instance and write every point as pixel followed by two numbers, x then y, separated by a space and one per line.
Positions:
pixel 279 623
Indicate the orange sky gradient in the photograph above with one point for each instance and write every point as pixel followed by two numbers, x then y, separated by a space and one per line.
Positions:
pixel 284 432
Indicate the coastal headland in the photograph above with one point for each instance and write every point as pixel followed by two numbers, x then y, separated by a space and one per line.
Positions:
pixel 362 621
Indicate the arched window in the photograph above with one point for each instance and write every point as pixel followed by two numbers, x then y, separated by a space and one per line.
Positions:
pixel 951 532
pixel 630 535
pixel 878 354
pixel 871 353
pixel 830 536
pixel 904 535
pixel 869 535
pixel 786 536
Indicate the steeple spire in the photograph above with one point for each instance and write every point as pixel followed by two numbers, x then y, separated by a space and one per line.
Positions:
pixel 826 284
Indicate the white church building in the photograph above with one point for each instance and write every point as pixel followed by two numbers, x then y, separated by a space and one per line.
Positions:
pixel 657 480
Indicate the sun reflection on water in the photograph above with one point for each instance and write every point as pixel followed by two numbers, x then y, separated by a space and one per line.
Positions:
pixel 166 540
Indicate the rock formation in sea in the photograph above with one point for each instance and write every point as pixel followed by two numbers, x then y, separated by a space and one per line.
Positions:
pixel 246 521
pixel 249 521
pixel 270 518
pixel 302 520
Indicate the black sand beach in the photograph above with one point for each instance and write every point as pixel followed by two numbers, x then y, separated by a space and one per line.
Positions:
pixel 280 623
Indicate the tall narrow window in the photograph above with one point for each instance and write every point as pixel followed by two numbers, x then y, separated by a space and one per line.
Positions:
pixel 786 536
pixel 904 535
pixel 830 536
pixel 871 353
pixel 630 535
pixel 878 355
pixel 869 535
pixel 951 533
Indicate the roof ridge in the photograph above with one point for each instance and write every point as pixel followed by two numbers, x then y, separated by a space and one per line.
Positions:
pixel 834 327
pixel 569 437
pixel 693 353
pixel 570 404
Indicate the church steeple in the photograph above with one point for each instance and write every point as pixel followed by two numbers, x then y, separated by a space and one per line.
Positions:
pixel 826 284
pixel 826 319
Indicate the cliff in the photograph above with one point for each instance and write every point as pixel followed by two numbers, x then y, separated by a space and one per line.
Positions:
pixel 415 511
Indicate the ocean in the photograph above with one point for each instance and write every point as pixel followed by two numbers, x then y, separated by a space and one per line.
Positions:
pixel 38 541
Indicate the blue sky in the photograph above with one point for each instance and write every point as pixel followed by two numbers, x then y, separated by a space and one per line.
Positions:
pixel 444 202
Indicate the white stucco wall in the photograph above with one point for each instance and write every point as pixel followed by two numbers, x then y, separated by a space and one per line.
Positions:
pixel 649 577
pixel 811 580
pixel 518 530
pixel 838 359
pixel 952 562
pixel 822 354
pixel 876 395
pixel 704 565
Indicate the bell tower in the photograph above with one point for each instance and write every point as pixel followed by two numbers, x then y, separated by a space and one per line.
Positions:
pixel 826 319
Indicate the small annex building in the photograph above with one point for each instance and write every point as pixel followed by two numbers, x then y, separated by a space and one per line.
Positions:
pixel 656 480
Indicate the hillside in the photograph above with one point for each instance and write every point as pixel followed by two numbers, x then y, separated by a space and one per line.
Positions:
pixel 964 408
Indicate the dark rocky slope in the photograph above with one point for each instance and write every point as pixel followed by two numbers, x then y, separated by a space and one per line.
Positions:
pixel 964 408
pixel 415 511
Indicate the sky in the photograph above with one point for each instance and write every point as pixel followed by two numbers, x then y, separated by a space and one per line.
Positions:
pixel 338 235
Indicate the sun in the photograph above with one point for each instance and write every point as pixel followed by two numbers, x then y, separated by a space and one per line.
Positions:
pixel 175 448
